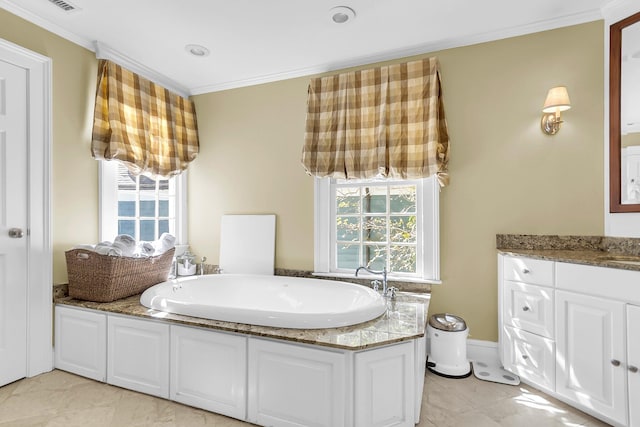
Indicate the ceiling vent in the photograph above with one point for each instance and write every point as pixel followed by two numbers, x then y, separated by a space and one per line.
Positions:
pixel 66 6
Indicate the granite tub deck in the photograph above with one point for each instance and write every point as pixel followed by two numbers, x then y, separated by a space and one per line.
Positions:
pixel 405 319
pixel 610 252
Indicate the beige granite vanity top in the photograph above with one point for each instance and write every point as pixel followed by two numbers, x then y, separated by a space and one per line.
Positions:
pixel 610 252
pixel 405 319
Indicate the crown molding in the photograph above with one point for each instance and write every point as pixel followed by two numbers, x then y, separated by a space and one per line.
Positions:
pixel 580 18
pixel 101 50
pixel 617 10
pixel 614 8
pixel 105 52
pixel 47 25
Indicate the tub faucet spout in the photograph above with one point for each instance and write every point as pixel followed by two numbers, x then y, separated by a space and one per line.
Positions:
pixel 384 277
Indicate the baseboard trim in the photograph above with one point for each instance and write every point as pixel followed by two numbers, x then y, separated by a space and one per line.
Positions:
pixel 479 350
pixel 486 351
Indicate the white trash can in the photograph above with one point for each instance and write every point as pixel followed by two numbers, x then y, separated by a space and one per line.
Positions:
pixel 448 337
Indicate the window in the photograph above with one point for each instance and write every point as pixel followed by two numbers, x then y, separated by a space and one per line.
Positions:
pixel 139 206
pixel 384 223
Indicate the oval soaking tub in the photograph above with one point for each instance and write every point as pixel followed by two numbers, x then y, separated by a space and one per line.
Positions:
pixel 278 301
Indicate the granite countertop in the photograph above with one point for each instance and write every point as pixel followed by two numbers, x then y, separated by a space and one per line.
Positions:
pixel 610 252
pixel 405 319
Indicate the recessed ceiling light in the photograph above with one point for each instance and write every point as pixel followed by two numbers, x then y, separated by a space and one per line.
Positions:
pixel 341 14
pixel 196 50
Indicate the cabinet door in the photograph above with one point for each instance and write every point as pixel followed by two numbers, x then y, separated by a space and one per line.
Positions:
pixel 590 346
pixel 291 385
pixel 530 356
pixel 208 370
pixel 138 355
pixel 633 363
pixel 81 342
pixel 384 387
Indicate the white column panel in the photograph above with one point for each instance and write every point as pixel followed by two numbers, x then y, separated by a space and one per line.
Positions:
pixel 384 387
pixel 208 370
pixel 81 342
pixel 291 385
pixel 138 355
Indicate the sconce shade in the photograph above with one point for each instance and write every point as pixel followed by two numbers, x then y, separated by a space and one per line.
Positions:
pixel 557 100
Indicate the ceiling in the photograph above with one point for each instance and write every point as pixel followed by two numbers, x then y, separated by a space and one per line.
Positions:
pixel 257 41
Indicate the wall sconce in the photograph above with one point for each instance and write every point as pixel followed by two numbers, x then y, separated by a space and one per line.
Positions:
pixel 557 101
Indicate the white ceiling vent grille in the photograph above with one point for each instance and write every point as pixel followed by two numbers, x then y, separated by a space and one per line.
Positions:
pixel 66 6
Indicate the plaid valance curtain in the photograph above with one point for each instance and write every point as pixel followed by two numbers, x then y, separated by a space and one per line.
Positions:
pixel 151 130
pixel 382 122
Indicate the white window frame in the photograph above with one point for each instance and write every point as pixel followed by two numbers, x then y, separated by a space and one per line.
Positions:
pixel 108 177
pixel 428 209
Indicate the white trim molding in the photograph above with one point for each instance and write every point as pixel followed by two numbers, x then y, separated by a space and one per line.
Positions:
pixel 105 52
pixel 39 249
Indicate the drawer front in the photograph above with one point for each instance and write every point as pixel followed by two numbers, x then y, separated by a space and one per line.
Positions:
pixel 527 270
pixel 530 356
pixel 611 283
pixel 529 307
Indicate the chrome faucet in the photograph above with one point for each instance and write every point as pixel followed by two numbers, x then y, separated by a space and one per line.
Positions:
pixel 384 277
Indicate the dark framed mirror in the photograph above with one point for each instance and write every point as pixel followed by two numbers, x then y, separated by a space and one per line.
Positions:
pixel 624 115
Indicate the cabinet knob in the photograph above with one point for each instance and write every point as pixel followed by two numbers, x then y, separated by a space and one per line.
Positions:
pixel 525 308
pixel 633 369
pixel 525 357
pixel 615 362
pixel 526 271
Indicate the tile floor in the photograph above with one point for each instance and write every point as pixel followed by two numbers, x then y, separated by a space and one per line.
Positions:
pixel 61 399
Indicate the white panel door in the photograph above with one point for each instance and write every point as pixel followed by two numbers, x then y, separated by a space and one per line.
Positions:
pixel 13 222
pixel 384 387
pixel 293 386
pixel 633 363
pixel 209 370
pixel 590 345
pixel 138 355
pixel 81 342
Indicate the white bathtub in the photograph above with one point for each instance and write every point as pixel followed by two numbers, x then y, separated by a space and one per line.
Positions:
pixel 278 301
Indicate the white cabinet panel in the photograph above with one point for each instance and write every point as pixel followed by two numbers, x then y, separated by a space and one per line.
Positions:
pixel 138 355
pixel 528 270
pixel 529 307
pixel 591 353
pixel 208 370
pixel 291 385
pixel 384 387
pixel 81 342
pixel 530 356
pixel 611 283
pixel 633 363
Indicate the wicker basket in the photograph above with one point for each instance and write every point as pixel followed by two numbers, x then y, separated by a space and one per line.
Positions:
pixel 103 278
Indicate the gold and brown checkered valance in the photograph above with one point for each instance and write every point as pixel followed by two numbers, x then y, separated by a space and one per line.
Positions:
pixel 387 121
pixel 151 130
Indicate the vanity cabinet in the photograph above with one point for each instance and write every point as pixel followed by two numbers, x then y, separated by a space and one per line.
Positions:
pixel 590 353
pixel 208 370
pixel 138 355
pixel 81 342
pixel 633 363
pixel 572 331
pixel 527 319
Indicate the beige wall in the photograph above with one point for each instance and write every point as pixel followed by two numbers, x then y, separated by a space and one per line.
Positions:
pixel 75 177
pixel 506 175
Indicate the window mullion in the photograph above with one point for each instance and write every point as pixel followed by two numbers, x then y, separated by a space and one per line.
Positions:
pixel 156 210
pixel 137 212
